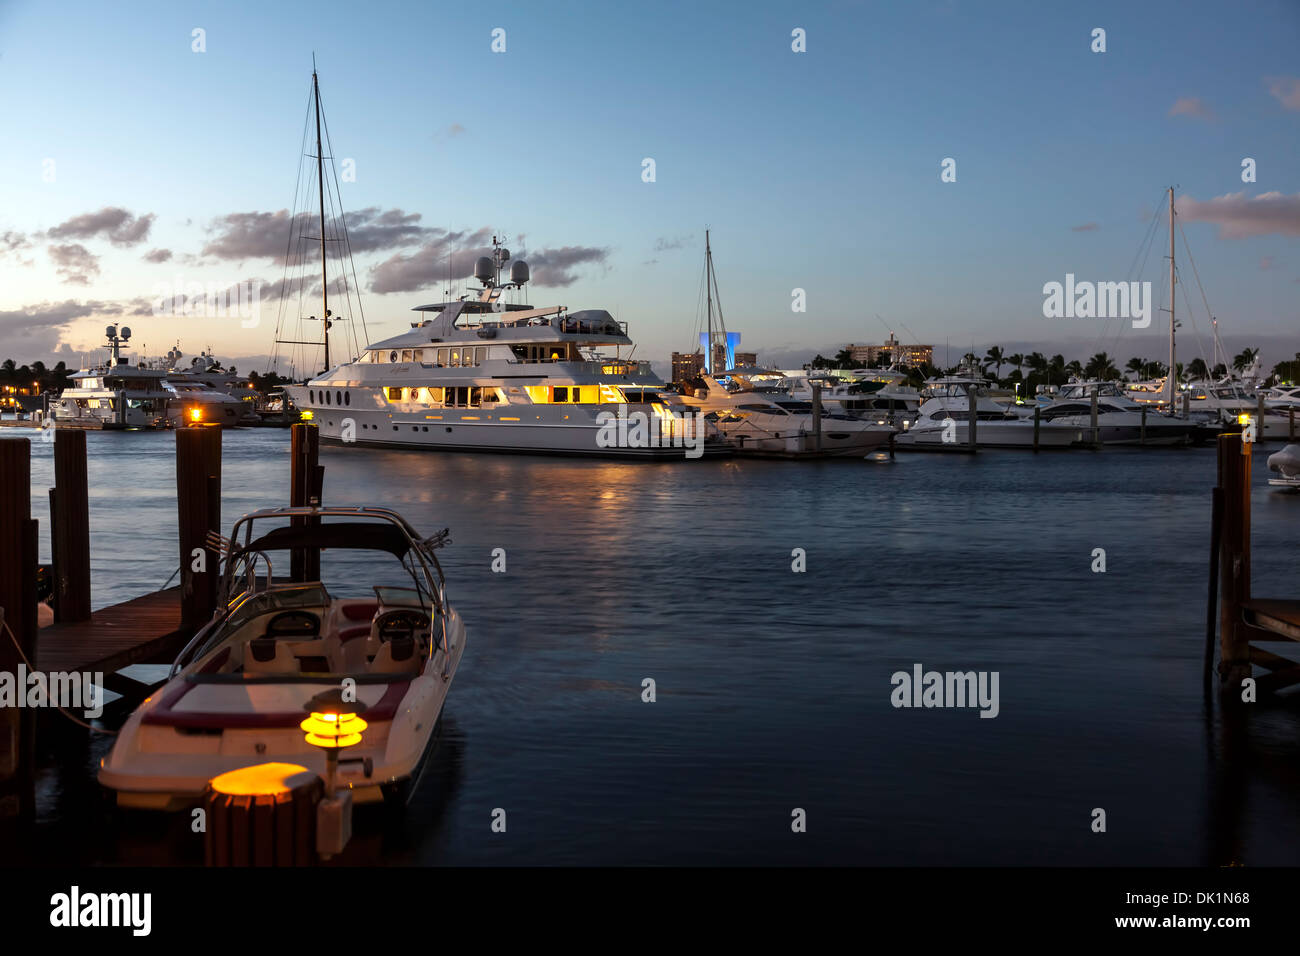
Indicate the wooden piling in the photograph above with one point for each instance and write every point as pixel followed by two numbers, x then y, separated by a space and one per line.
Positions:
pixel 263 815
pixel 70 527
pixel 1096 432
pixel 1142 434
pixel 974 416
pixel 304 489
pixel 18 559
pixel 1212 602
pixel 817 417
pixel 1234 559
pixel 198 504
pixel 1038 419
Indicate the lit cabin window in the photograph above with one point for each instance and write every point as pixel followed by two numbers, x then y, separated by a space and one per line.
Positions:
pixel 435 395
pixel 419 355
pixel 455 358
pixel 394 394
pixel 442 356
pixel 406 355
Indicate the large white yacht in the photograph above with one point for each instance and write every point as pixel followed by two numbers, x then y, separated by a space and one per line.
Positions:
pixel 484 375
pixel 115 394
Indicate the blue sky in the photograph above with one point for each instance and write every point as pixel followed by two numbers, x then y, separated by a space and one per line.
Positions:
pixel 817 170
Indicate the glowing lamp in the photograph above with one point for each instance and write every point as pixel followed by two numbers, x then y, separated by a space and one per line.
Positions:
pixel 1244 419
pixel 307 414
pixel 196 415
pixel 333 724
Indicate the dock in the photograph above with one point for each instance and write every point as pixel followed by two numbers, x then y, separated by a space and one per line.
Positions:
pixel 138 631
pixel 1244 620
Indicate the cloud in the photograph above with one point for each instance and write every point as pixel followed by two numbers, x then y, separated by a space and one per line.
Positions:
pixel 1086 227
pixel 455 129
pixel 1192 106
pixel 1239 216
pixel 157 255
pixel 35 329
pixel 554 267
pixel 1286 89
pixel 13 242
pixel 74 262
pixel 450 254
pixel 120 227
pixel 266 235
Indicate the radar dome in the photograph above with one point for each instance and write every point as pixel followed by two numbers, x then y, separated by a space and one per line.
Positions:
pixel 484 270
pixel 111 331
pixel 519 272
pixel 126 333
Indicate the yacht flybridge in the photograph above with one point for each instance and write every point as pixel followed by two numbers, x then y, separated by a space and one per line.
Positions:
pixel 482 374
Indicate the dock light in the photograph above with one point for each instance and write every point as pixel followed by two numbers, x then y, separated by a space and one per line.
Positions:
pixel 196 415
pixel 1244 419
pixel 307 414
pixel 333 725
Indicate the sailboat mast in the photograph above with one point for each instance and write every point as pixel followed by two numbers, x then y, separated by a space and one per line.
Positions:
pixel 1173 368
pixel 320 179
pixel 708 291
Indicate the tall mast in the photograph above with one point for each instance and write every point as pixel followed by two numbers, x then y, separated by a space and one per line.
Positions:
pixel 708 291
pixel 1173 367
pixel 320 179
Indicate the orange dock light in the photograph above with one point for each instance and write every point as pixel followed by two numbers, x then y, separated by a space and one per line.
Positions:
pixel 333 725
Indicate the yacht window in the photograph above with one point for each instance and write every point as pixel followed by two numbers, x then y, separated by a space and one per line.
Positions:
pixel 475 396
pixel 435 395
pixel 406 355
pixel 442 356
pixel 338 398
pixel 347 398
pixel 479 354
pixel 395 394
pixel 561 393
pixel 490 395
pixel 455 358
pixel 311 395
pixel 392 356
pixel 521 352
pixel 327 398
pixel 419 355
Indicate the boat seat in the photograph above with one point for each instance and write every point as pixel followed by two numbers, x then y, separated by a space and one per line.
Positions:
pixel 266 655
pixel 396 656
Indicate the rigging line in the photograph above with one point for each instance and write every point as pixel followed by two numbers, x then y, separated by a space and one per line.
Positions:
pixel 275 347
pixel 1143 250
pixel 347 243
pixel 1196 273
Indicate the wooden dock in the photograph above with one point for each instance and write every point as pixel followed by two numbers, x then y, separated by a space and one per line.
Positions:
pixel 146 629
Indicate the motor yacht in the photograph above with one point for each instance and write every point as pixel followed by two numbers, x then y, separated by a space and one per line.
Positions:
pixel 1120 420
pixel 1287 465
pixel 280 636
pixel 944 419
pixel 774 422
pixel 482 374
pixel 114 394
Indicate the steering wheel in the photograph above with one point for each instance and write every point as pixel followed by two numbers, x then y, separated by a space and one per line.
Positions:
pixel 300 624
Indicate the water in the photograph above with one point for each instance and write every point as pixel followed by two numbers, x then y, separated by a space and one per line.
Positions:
pixel 774 687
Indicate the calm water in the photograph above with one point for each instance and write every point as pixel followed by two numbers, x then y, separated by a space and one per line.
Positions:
pixel 773 686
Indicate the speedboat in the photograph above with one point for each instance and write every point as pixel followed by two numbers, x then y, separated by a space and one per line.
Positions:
pixel 236 693
pixel 944 420
pixel 1287 464
pixel 1120 420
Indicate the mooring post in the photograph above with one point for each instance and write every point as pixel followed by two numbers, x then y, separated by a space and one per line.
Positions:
pixel 70 527
pixel 1259 418
pixel 18 558
pixel 198 503
pixel 1038 418
pixel 817 417
pixel 304 446
pixel 1234 559
pixel 1291 426
pixel 1096 432
pixel 1142 434
pixel 974 415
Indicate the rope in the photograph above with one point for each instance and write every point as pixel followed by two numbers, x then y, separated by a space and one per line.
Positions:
pixel 81 723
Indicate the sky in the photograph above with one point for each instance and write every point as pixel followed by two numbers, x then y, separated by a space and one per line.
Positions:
pixel 140 154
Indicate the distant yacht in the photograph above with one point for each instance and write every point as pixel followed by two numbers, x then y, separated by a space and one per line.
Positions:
pixel 232 400
pixel 115 394
pixel 1120 420
pixel 944 419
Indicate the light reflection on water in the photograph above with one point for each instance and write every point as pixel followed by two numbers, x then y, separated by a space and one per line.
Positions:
pixel 773 687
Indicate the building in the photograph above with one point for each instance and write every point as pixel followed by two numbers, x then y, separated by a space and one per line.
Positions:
pixel 687 366
pixel 746 358
pixel 890 352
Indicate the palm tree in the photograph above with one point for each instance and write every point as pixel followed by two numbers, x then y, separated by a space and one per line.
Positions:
pixel 8 366
pixel 1135 365
pixel 995 357
pixel 1037 362
pixel 1018 361
pixel 1101 367
pixel 1073 368
pixel 1244 359
pixel 1197 370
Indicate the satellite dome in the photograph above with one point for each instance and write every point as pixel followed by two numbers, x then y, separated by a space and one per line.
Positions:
pixel 111 332
pixel 484 270
pixel 519 272
pixel 126 333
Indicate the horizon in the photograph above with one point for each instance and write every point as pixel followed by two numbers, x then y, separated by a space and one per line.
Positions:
pixel 172 164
